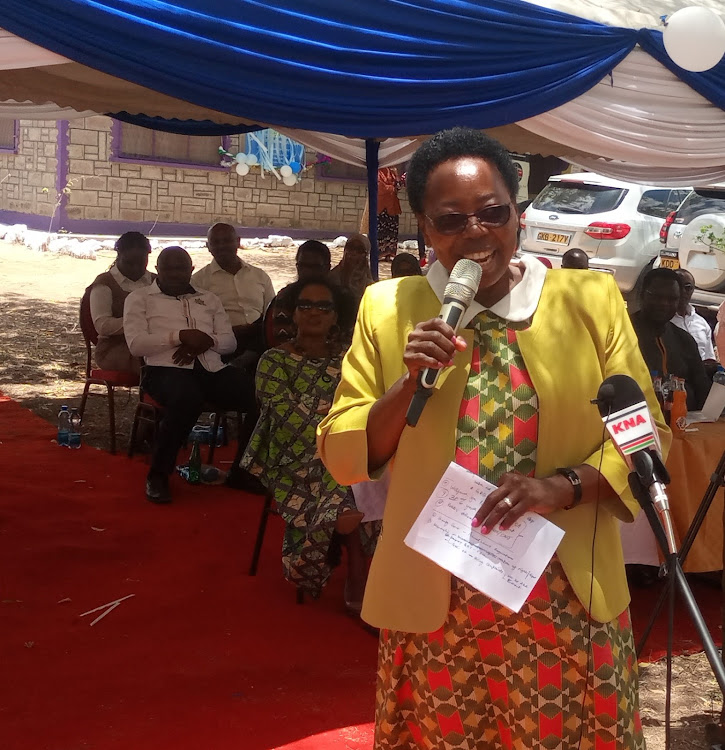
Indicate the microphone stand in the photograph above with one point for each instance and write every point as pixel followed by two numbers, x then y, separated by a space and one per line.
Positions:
pixel 676 581
pixel 717 480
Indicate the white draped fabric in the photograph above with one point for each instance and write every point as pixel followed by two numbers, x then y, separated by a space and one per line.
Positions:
pixel 631 14
pixel 29 111
pixel 17 53
pixel 352 150
pixel 652 125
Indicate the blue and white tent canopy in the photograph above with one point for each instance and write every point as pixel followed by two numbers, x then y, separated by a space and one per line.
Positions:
pixel 599 91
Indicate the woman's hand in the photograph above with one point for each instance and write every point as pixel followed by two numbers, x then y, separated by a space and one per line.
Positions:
pixel 431 344
pixel 516 494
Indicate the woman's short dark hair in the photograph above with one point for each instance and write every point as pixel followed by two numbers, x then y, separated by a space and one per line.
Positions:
pixel 452 144
pixel 315 246
pixel 131 241
pixel 660 274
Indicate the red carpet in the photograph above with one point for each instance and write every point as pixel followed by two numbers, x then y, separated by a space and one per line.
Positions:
pixel 202 657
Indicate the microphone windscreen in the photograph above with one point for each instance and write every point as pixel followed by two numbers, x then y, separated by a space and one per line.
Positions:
pixel 618 392
pixel 463 282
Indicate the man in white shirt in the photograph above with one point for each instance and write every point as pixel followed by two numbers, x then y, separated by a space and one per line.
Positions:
pixel 182 333
pixel 244 289
pixel 689 320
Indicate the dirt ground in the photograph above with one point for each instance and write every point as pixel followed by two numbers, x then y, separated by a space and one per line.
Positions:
pixel 42 360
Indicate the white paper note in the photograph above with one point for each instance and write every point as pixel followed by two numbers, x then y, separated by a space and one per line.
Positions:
pixel 504 565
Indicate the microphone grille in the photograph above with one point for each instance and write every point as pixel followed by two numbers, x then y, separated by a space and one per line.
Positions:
pixel 463 282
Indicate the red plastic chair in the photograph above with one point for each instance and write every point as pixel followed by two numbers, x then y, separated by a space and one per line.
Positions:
pixel 110 379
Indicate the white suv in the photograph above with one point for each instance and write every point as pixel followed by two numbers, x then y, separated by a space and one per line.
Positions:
pixel 684 237
pixel 616 223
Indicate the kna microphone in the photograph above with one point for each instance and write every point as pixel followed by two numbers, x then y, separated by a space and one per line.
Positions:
pixel 457 297
pixel 624 410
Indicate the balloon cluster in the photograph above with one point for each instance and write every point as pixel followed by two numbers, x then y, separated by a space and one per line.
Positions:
pixel 289 174
pixel 695 38
pixel 242 162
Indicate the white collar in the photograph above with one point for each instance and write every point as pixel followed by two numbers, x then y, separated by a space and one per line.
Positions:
pixel 155 289
pixel 518 305
pixel 120 278
pixel 214 266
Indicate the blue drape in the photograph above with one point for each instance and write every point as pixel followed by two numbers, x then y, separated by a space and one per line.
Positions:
pixel 359 68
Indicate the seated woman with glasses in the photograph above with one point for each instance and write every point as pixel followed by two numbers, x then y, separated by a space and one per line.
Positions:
pixel 295 386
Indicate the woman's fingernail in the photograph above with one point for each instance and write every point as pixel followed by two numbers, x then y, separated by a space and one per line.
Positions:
pixel 475 522
pixel 449 363
pixel 484 530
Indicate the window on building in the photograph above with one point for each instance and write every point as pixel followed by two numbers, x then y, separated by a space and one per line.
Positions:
pixel 142 144
pixel 281 149
pixel 340 171
pixel 8 136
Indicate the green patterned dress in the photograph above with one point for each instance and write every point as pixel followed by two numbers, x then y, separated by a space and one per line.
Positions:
pixel 490 678
pixel 295 393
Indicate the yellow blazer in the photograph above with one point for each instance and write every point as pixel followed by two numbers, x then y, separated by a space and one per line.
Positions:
pixel 580 334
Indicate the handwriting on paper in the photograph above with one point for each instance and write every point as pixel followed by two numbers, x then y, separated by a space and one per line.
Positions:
pixel 504 565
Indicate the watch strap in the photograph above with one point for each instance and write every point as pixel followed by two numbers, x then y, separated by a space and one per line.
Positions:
pixel 576 483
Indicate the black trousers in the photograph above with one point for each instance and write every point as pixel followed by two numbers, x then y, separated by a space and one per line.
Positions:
pixel 184 393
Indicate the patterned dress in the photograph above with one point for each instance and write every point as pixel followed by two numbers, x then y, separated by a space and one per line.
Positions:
pixel 490 678
pixel 295 392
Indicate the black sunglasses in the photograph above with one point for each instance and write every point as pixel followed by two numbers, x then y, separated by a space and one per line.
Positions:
pixel 491 216
pixel 323 306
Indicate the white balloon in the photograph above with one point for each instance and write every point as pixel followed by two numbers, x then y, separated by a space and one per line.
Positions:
pixel 285 170
pixel 242 169
pixel 695 38
pixel 240 158
pixel 252 159
pixel 290 180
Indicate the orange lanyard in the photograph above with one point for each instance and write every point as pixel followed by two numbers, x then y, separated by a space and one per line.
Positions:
pixel 663 352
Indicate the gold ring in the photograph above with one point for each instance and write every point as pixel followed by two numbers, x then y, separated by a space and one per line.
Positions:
pixel 508 501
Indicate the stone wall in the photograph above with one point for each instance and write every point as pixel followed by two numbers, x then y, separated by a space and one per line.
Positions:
pixel 151 195
pixel 27 179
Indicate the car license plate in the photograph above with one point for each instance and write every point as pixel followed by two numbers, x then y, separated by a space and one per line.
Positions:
pixel 673 263
pixel 556 239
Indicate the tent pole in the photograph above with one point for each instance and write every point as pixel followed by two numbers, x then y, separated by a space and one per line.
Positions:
pixel 371 158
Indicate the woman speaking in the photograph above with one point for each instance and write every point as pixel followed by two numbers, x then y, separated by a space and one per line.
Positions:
pixel 512 404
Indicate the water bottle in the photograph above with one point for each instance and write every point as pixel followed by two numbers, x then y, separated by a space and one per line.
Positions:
pixel 195 463
pixel 218 437
pixel 64 427
pixel 74 439
pixel 657 386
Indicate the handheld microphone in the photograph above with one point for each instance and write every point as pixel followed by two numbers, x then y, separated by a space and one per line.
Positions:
pixel 457 297
pixel 624 410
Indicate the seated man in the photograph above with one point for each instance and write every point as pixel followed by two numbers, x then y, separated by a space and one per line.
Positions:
pixel 181 333
pixel 244 289
pixel 688 320
pixel 667 349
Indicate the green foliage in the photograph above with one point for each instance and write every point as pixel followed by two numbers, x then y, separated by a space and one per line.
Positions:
pixel 711 239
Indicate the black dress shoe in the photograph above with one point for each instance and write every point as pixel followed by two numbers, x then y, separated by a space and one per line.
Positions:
pixel 241 479
pixel 157 489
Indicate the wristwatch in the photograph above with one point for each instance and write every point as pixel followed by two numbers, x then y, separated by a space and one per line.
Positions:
pixel 576 483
